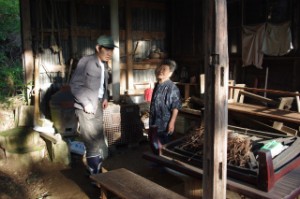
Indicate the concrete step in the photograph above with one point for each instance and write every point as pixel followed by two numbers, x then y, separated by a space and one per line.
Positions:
pixel 28 154
pixel 23 144
pixel 18 138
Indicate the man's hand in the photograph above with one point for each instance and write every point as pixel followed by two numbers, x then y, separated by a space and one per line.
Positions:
pixel 89 109
pixel 105 104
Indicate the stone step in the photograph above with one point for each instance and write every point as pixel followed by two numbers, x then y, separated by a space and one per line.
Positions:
pixel 23 144
pixel 34 153
pixel 19 138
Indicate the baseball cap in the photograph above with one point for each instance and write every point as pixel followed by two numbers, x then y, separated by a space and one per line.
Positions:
pixel 106 41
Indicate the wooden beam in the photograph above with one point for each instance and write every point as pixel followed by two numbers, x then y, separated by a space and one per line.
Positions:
pixel 258 97
pixel 114 15
pixel 148 4
pixel 73 32
pixel 94 33
pixel 298 102
pixel 216 89
pixel 27 54
pixel 129 45
pixel 37 62
pixel 259 90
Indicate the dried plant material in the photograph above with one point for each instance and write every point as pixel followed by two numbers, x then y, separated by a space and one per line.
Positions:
pixel 194 142
pixel 238 147
pixel 238 150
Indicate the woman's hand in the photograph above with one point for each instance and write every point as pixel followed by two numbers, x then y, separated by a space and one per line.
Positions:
pixel 171 127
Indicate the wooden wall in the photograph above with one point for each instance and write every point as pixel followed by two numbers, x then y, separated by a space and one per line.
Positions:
pixel 175 26
pixel 72 27
pixel 187 42
pixel 187 35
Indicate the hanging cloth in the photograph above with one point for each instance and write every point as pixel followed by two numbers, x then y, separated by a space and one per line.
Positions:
pixel 278 39
pixel 252 39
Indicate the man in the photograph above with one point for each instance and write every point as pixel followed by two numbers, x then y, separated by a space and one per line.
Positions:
pixel 89 87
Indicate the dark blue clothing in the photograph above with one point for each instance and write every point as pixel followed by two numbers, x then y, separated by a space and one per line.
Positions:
pixel 165 98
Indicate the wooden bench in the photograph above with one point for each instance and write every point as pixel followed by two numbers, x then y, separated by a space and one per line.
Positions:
pixel 128 185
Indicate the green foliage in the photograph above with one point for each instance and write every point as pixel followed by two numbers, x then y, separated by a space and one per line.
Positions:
pixel 12 80
pixel 11 70
pixel 9 18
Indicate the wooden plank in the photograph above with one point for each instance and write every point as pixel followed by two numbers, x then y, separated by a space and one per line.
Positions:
pixel 230 91
pixel 236 92
pixel 269 113
pixel 49 137
pixel 128 185
pixel 277 92
pixel 287 155
pixel 285 104
pixel 251 121
pixel 258 97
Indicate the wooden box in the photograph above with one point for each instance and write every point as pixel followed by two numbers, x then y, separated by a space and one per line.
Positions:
pixel 269 169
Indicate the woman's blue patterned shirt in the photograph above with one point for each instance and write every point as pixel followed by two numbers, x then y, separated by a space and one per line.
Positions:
pixel 165 98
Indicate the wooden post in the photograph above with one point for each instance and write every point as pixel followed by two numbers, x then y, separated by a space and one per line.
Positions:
pixel 27 54
pixel 73 30
pixel 37 62
pixel 114 16
pixel 298 102
pixel 216 91
pixel 129 45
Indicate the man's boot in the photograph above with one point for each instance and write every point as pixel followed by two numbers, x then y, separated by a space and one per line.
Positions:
pixel 94 164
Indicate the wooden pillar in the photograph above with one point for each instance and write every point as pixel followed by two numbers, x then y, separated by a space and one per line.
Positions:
pixel 295 75
pixel 129 46
pixel 216 91
pixel 73 29
pixel 114 17
pixel 27 52
pixel 36 117
pixel 296 43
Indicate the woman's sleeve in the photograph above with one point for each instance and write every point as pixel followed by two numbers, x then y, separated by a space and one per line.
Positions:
pixel 175 98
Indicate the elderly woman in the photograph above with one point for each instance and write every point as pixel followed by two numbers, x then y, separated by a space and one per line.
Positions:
pixel 165 102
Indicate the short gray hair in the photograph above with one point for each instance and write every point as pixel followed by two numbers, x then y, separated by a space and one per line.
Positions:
pixel 171 63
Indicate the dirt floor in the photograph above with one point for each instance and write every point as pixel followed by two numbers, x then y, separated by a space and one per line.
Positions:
pixel 47 180
pixel 23 179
